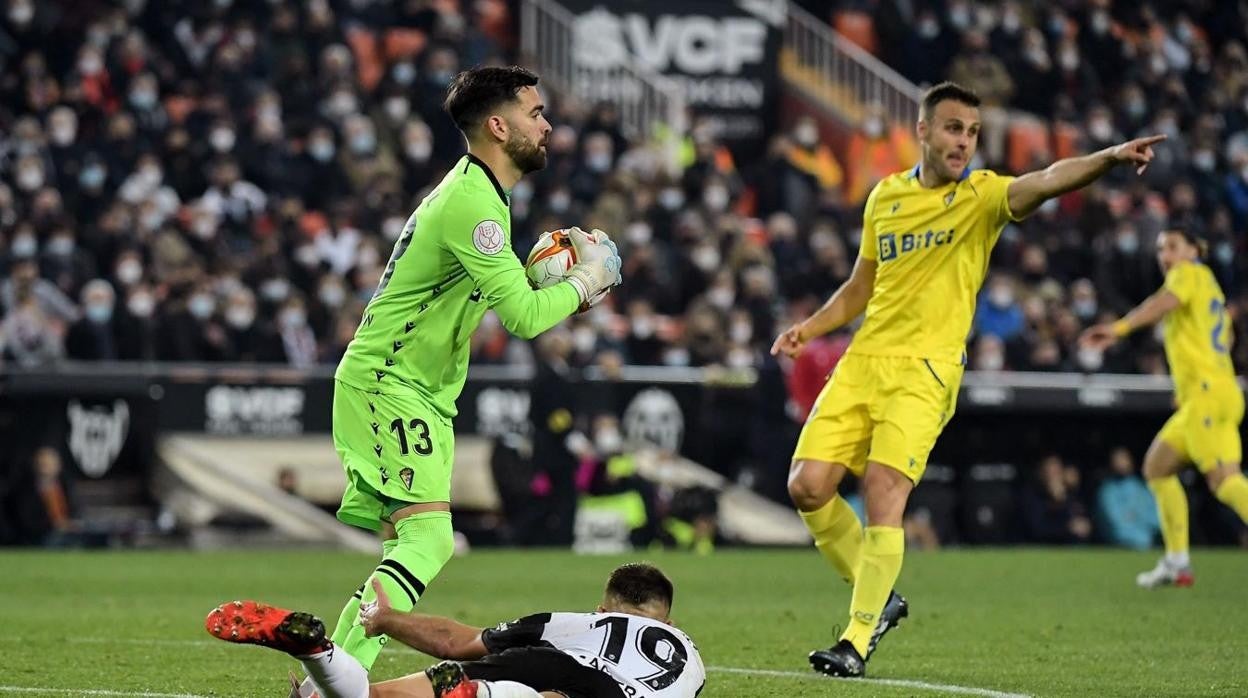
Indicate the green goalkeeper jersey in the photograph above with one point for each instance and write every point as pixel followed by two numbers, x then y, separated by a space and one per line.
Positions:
pixel 452 262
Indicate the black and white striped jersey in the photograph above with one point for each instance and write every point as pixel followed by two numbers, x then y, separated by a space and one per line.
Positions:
pixel 647 658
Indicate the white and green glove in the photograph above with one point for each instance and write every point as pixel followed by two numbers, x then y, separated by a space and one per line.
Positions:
pixel 598 265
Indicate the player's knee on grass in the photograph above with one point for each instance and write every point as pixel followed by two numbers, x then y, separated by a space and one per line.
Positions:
pixel 812 484
pixel 885 491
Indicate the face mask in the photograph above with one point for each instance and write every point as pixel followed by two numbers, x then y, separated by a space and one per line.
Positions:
pixel 90 64
pixel 151 220
pixel 21 14
pixel 639 233
pixel 1085 308
pixel 715 198
pixel 99 313
pixel 1090 359
pixel 1128 244
pixel 221 140
pixel 91 176
pixel 929 28
pixel 246 40
pixel 584 339
pixel 608 441
pixel 332 295
pixel 419 151
pixel 363 143
pixel 61 247
pixel 676 356
pixel 522 192
pixel 397 108
pixel 1225 253
pixel 1010 22
pixel 806 135
pixel 740 332
pixel 442 78
pixel 1057 25
pixel 63 135
pixel 1001 297
pixel 342 104
pixel 706 258
pixel 204 227
pixel 292 318
pixel 129 272
pixel 1100 22
pixel 560 201
pixel 307 256
pixel 275 290
pixel 739 358
pixel 142 99
pixel 403 73
pixel 874 128
pixel 141 305
pixel 598 162
pixel 1204 161
pixel 392 228
pixel 321 150
pixel 671 198
pixel 991 362
pixel 369 257
pixel 721 297
pixel 643 327
pixel 960 17
pixel 1069 60
pixel 240 317
pixel 30 178
pixel 1136 107
pixel 1101 129
pixel 24 246
pixel 201 306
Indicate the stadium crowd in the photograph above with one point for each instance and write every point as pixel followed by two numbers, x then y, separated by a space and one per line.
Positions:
pixel 223 181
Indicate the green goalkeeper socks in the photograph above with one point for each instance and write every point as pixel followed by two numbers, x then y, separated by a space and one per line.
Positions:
pixel 425 543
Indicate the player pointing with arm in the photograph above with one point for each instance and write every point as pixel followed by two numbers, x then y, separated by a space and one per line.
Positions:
pixel 927 236
pixel 1205 428
pixel 396 387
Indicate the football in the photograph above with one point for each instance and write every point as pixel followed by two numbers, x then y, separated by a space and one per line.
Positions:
pixel 550 259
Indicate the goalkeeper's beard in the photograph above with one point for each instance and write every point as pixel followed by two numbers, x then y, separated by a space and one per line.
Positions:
pixel 526 155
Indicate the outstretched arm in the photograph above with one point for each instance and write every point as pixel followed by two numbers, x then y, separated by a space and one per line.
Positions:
pixel 846 304
pixel 1150 312
pixel 434 635
pixel 1027 192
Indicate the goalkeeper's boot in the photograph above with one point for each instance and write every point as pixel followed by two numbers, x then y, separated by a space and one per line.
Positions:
pixel 1166 574
pixel 450 681
pixel 253 623
pixel 840 659
pixel 894 610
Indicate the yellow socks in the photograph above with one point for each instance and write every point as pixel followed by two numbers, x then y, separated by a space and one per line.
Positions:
pixel 1172 512
pixel 878 566
pixel 838 535
pixel 1233 492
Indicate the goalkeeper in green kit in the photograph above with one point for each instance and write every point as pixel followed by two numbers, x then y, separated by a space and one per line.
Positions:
pixel 396 387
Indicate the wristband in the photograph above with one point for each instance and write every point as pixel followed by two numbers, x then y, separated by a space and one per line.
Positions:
pixel 1121 328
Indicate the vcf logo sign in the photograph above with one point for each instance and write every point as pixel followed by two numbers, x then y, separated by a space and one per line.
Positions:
pixel 893 245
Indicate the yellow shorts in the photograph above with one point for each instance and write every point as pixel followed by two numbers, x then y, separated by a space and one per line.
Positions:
pixel 885 409
pixel 1205 429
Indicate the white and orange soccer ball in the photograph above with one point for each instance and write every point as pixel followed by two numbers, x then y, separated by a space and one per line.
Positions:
pixel 550 259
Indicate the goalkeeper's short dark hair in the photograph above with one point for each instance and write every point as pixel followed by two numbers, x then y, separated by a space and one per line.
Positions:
pixel 946 91
pixel 474 93
pixel 638 583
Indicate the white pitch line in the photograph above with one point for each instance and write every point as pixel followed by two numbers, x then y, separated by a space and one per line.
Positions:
pixel 900 683
pixel 95 692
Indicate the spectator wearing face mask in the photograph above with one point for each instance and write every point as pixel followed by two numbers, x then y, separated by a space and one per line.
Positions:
pixel 1125 508
pixel 998 313
pixel 190 329
pixel 94 337
pixel 24 280
pixel 248 341
pixel 1033 67
pixel 136 324
pixel 295 343
pixel 1125 270
pixel 812 168
pixel 29 336
pixel 876 151
pixel 981 71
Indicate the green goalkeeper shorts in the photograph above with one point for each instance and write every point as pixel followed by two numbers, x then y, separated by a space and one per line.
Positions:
pixel 396 451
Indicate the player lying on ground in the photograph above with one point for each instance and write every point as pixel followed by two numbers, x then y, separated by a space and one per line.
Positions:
pixel 927 235
pixel 628 647
pixel 396 386
pixel 1205 428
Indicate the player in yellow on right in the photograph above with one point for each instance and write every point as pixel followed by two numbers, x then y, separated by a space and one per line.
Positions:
pixel 1205 428
pixel 927 235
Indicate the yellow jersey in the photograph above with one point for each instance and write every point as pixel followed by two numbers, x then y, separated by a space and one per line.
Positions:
pixel 1198 332
pixel 931 247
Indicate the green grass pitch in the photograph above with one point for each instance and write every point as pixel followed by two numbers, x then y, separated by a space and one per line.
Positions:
pixel 1037 621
